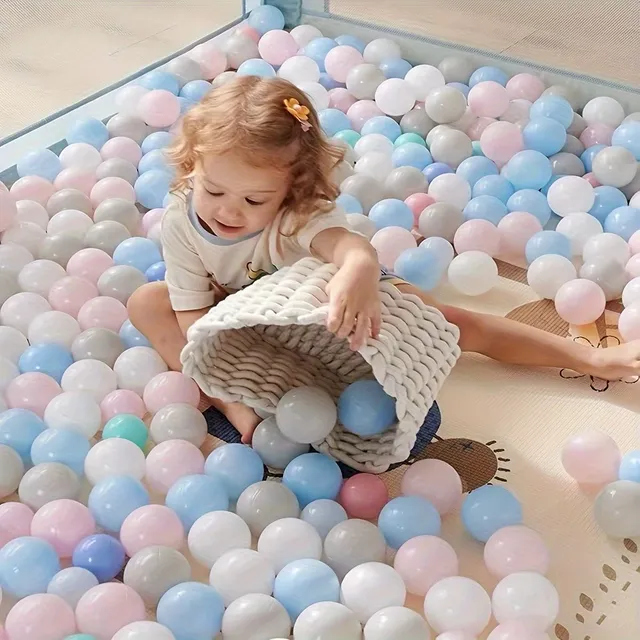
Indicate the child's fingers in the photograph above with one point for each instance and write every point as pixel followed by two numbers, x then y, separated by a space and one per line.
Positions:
pixel 348 320
pixel 335 317
pixel 376 321
pixel 360 332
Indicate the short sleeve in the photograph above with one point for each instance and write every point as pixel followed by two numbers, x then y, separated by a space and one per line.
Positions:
pixel 189 283
pixel 320 222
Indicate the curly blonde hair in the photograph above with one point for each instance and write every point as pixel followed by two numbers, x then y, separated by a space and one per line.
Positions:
pixel 248 116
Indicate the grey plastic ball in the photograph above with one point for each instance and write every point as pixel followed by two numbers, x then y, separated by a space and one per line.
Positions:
pixel 224 78
pixel 417 121
pixel 566 164
pixel 396 623
pixel 608 273
pixel 60 248
pixel 327 621
pixel 437 131
pixel 47 482
pixel 635 116
pixel 360 223
pixel 239 48
pixel 456 69
pixel 445 104
pixel 255 616
pixel 97 343
pixel 69 199
pixel 404 182
pixel 617 509
pixel 179 422
pixel 351 543
pixel 615 166
pixel 119 210
pixel 365 189
pixel 127 127
pixel 633 187
pixel 440 219
pixel 577 126
pixel 11 470
pixel 363 80
pixel 275 450
pixel 106 235
pixel 185 69
pixel 564 92
pixel 117 168
pixel 264 502
pixel 451 147
pixel 573 145
pixel 8 286
pixel 120 281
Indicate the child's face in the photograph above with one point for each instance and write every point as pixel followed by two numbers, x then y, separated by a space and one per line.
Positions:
pixel 236 199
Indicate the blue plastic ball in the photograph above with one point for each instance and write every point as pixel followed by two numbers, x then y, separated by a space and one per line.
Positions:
pixel 193 496
pixel 391 213
pixel 155 159
pixel 137 252
pixel 328 82
pixel 395 67
pixel 545 243
pixel 313 476
pixel 160 80
pixel 318 49
pixel 627 135
pixel 156 272
pixel 348 136
pixel 607 199
pixel 304 582
pixel 185 105
pixel 496 186
pixel 18 430
pixel 384 125
pixel 545 190
pixel 554 107
pixel 349 203
pixel 156 140
pixel 195 90
pixel 528 170
pixel 352 41
pixel 476 167
pixel 152 188
pixel 27 565
pixel 131 337
pixel 589 154
pixel 166 201
pixel 442 250
pixel 237 466
pixel 420 267
pixel 332 121
pixel 266 18
pixel 436 169
pixel 485 208
pixel 63 446
pixel 71 584
pixel 488 509
pixel 407 517
pixel 43 163
pixel 545 135
pixel 532 202
pixel 365 409
pixel 101 554
pixel 623 221
pixel 256 67
pixel 113 499
pixel 411 154
pixel 90 130
pixel 630 467
pixel 49 358
pixel 323 515
pixel 461 87
pixel 486 74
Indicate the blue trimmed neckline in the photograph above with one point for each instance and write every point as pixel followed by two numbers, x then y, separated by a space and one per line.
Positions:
pixel 212 238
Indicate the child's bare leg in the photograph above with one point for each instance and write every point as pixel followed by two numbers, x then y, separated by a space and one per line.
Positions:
pixel 151 313
pixel 509 341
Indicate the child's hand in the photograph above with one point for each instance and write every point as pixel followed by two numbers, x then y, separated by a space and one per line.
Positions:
pixel 354 302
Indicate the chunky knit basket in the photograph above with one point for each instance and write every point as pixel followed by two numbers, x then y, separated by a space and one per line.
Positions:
pixel 259 343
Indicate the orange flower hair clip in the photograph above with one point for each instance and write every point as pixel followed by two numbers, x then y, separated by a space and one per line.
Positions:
pixel 299 112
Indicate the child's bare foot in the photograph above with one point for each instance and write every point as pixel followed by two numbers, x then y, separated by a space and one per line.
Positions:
pixel 615 363
pixel 243 418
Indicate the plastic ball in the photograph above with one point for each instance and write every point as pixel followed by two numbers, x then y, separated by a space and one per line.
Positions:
pixel 488 509
pixel 451 147
pixel 407 517
pixel 39 276
pixel 313 476
pixel 381 49
pixel 300 69
pixel 473 273
pixel 615 509
pixel 608 274
pixel 323 515
pixel 631 292
pixel 500 141
pixel 528 170
pixel 514 549
pixel 548 273
pixel 603 110
pixel 171 460
pixel 516 630
pixel 18 429
pixel 21 309
pixel 236 466
pixel 114 457
pixel 71 584
pixel 396 623
pixel 580 301
pixel 100 554
pixel 143 630
pixel 27 565
pixel 579 227
pixel 614 166
pixel 623 221
pixel 477 235
pixel 545 243
pixel 326 621
pixel 554 107
pixel 179 422
pixel 40 617
pixel 545 135
pixel 11 471
pixel 61 445
pixel 395 97
pixel 72 411
pixel 151 525
pixel 435 481
pixel 516 229
pixel 15 521
pixel 215 533
pixel 136 367
pixel 368 396
pixel 452 189
pixel 255 616
pixel 306 414
pixel 288 540
pixel 266 18
pixel 113 499
pixel 423 79
pixel 194 495
pixel 305 33
pixel 591 458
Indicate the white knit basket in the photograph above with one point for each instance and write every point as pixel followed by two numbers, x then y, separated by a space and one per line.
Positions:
pixel 259 343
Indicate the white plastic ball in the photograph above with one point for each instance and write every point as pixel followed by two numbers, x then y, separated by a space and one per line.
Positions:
pixel 373 143
pixel 606 246
pixel 21 309
pixel 289 539
pixel 215 533
pixel 81 155
pixel 114 457
pixel 635 201
pixel 395 97
pixel 327 621
pixel 25 234
pixel 39 276
pixel 450 188
pixel 71 223
pixel 473 273
pixel 570 194
pixel 631 292
pixel 128 97
pixel 579 227
pixel 135 367
pixel 8 371
pixel 303 34
pixel 12 343
pixel 144 630
pixel 76 411
pixel 396 623
pixel 299 69
pixel 89 375
pixel 13 258
pixel 316 93
pixel 31 211
pixel 603 110
pixel 381 49
pixel 55 327
pixel 375 164
pixel 547 274
pixel 445 104
pixel 424 79
pixel 370 587
pixel 306 414
pixel 255 616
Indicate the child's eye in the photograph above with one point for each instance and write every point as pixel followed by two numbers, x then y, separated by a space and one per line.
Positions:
pixel 215 195
pixel 254 203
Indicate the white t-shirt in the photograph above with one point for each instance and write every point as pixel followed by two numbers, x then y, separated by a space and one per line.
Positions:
pixel 201 264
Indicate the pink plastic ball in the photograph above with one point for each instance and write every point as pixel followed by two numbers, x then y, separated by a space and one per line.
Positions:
pixel 76 178
pixel 42 616
pixel 423 561
pixel 516 228
pixel 248 31
pixel 500 141
pixel 456 635
pixel 105 609
pixel 591 179
pixel 3 633
pixel 597 133
pixel 121 147
pixel 517 112
pixel 361 112
pixel 112 188
pixel 122 401
pixel 151 218
pixel 3 188
pixel 15 521
pixel 171 460
pixel 104 312
pixel 580 302
pixel 276 46
pixel 151 525
pixel 32 188
pixel 63 523
pixel 477 235
pixel 390 242
pixel 629 323
pixel 436 481
pixel 634 243
pixel 477 128
pixel 526 86
pixel 8 210
pixel 170 387
pixel 591 457
pixel 514 549
pixel 89 264
pixel 363 496
pixel 418 202
pixel 517 630
pixel 70 293
pixel 488 99
pixel 341 99
pixel 211 60
pixel 340 60
pixel 33 391
pixel 633 266
pixel 159 108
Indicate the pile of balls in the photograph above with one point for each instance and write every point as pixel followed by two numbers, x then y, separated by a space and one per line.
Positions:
pixel 593 458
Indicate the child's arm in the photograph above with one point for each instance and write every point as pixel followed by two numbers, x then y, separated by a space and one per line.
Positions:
pixel 353 292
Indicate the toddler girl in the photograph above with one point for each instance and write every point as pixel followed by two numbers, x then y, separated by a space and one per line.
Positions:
pixel 254 193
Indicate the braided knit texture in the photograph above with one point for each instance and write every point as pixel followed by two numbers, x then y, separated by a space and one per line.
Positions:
pixel 269 338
